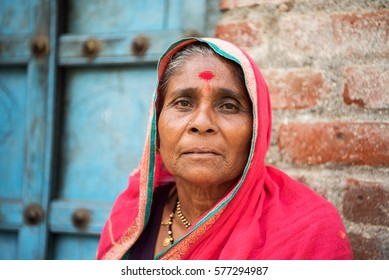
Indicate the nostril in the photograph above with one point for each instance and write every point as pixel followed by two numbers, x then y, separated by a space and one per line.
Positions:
pixel 209 130
pixel 193 129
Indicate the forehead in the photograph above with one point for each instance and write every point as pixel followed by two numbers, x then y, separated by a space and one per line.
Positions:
pixel 210 74
pixel 207 67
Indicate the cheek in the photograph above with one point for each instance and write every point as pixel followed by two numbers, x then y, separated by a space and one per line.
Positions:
pixel 241 138
pixel 168 131
pixel 163 128
pixel 164 143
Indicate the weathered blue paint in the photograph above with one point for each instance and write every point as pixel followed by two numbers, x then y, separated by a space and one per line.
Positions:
pixel 15 31
pixel 23 147
pixel 74 247
pixel 186 15
pixel 104 16
pixel 13 94
pixel 115 49
pixel 33 238
pixel 193 16
pixel 60 218
pixel 11 214
pixel 8 245
pixel 15 17
pixel 106 118
pixel 71 145
pixel 14 50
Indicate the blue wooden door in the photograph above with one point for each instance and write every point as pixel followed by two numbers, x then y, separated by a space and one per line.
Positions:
pixel 76 79
pixel 26 98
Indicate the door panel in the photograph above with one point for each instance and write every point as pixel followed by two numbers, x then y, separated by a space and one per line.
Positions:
pixel 113 16
pixel 26 86
pixel 8 245
pixel 15 17
pixel 13 93
pixel 74 247
pixel 105 126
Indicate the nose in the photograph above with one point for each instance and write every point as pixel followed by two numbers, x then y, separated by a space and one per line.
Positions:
pixel 203 121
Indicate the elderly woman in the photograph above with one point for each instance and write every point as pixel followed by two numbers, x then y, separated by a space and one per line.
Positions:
pixel 202 189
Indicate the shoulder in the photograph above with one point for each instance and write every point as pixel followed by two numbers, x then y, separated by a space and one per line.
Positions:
pixel 309 221
pixel 292 193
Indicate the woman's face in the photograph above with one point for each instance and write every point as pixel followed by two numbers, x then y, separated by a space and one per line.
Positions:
pixel 205 124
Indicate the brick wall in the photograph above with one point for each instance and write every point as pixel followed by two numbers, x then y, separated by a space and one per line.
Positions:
pixel 327 66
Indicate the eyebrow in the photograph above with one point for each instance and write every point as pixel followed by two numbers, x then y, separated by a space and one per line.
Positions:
pixel 220 92
pixel 226 92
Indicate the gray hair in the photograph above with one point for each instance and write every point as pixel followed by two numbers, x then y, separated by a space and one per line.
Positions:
pixel 179 58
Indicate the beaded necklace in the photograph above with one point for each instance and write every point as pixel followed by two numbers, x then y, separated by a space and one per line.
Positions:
pixel 177 207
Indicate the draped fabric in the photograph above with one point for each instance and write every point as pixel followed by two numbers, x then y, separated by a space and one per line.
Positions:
pixel 265 215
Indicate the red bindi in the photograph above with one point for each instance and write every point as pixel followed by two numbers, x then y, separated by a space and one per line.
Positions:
pixel 206 75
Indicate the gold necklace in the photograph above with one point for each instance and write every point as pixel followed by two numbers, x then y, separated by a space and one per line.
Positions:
pixel 170 240
pixel 183 219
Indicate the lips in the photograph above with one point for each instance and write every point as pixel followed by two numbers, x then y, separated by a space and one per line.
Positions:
pixel 201 151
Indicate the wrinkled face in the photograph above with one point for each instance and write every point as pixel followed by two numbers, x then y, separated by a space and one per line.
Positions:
pixel 205 124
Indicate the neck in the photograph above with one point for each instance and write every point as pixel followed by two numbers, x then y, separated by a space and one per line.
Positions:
pixel 195 200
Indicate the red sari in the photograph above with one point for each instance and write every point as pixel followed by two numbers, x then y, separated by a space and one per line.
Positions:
pixel 265 215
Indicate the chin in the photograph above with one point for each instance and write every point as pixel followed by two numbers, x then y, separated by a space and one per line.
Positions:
pixel 206 178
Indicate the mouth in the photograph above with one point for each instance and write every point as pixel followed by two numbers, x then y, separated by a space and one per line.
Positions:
pixel 201 151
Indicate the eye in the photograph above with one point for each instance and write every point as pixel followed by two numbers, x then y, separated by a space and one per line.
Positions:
pixel 182 104
pixel 229 107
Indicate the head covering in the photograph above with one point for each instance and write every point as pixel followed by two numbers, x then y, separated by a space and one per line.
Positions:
pixel 265 215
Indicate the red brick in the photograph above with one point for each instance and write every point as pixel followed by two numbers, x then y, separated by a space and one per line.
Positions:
pixel 313 185
pixel 231 4
pixel 366 202
pixel 366 248
pixel 366 87
pixel 335 142
pixel 295 89
pixel 306 35
pixel 244 33
pixel 362 32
